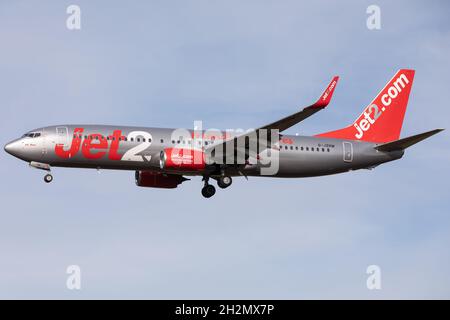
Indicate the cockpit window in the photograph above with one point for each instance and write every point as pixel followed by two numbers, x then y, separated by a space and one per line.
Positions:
pixel 32 135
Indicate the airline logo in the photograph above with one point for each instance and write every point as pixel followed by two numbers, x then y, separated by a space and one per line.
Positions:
pixel 325 98
pixel 96 146
pixel 329 90
pixel 386 98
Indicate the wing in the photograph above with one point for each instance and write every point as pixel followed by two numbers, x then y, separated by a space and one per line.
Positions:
pixel 295 118
pixel 279 125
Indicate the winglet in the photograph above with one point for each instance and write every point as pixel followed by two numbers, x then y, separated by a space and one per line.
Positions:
pixel 325 98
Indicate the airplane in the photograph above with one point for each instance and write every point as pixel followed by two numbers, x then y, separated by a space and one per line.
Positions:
pixel 163 158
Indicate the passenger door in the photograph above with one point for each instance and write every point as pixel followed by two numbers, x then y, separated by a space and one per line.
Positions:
pixel 62 136
pixel 348 151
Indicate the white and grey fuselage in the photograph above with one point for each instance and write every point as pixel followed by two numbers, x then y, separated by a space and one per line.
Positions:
pixel 139 149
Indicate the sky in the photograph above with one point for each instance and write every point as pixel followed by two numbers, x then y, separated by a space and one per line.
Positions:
pixel 230 64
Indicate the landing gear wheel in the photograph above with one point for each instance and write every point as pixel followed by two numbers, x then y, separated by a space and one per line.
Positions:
pixel 48 178
pixel 208 191
pixel 224 182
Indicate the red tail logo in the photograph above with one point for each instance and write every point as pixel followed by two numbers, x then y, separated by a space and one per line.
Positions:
pixel 382 119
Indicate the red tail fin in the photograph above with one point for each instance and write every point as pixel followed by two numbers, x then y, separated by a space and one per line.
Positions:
pixel 382 119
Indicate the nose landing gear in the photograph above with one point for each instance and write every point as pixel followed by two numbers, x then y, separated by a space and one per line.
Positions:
pixel 48 178
pixel 43 166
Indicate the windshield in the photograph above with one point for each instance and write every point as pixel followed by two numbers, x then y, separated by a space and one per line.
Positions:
pixel 31 135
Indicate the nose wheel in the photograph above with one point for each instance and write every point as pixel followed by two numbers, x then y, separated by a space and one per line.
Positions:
pixel 48 178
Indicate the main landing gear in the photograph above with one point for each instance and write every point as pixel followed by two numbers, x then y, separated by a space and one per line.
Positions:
pixel 208 190
pixel 223 182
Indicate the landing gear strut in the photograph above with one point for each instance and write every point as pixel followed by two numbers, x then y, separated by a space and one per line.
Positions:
pixel 208 190
pixel 48 178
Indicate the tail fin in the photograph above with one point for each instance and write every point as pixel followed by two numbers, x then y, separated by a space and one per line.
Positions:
pixel 381 121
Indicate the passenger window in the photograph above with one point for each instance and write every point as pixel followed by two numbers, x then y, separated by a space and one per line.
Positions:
pixel 162 141
pixel 138 139
pixel 328 149
pixel 296 148
pixel 323 149
pixel 292 148
pixel 173 141
pixel 307 149
pixel 301 148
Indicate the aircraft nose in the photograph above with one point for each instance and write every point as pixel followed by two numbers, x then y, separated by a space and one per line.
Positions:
pixel 8 147
pixel 13 147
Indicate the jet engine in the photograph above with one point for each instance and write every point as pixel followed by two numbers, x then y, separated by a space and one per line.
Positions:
pixel 158 180
pixel 182 159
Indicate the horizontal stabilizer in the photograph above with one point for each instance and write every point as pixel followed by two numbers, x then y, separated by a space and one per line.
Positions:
pixel 404 143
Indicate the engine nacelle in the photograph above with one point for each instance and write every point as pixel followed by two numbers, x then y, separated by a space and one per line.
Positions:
pixel 158 180
pixel 182 159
